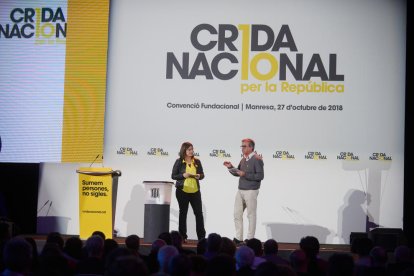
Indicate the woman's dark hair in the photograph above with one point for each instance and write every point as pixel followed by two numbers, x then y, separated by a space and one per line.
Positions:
pixel 183 149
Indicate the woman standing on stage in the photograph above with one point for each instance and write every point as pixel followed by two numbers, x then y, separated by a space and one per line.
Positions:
pixel 188 172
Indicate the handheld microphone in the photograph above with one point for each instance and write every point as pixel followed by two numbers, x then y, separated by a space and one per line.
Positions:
pixel 102 161
pixel 42 206
pixel 50 205
pixel 94 160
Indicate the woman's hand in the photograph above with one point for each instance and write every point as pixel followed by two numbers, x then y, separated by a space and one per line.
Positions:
pixel 186 175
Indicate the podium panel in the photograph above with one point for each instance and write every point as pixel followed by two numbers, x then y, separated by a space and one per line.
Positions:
pixel 97 200
pixel 157 209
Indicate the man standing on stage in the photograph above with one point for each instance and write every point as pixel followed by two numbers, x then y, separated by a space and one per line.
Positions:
pixel 250 171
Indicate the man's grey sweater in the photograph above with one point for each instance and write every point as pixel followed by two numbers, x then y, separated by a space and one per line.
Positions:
pixel 254 173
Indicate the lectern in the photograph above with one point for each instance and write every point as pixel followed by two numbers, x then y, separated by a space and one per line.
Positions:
pixel 98 189
pixel 157 209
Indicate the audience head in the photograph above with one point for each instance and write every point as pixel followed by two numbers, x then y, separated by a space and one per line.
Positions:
pixel 362 246
pixel 100 234
pixel 402 254
pixel 378 256
pixel 213 242
pixel 94 246
pixel 55 237
pixel 267 269
pixel 166 236
pixel 298 260
pixel 201 246
pixel 228 247
pixel 73 247
pixel 256 245
pixel 17 255
pixel 156 245
pixel 221 265
pixel 244 256
pixel 270 247
pixel 176 239
pixel 132 242
pixel 127 266
pixel 198 264
pixel 109 245
pixel 179 265
pixel 165 254
pixel 340 264
pixel 310 245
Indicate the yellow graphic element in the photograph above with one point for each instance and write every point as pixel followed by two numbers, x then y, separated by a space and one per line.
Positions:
pixel 245 50
pixel 274 66
pixel 95 202
pixel 85 80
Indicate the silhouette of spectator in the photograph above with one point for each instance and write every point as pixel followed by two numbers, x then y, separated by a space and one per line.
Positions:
pixel 115 254
pixel 177 241
pixel 99 233
pixel 52 261
pixel 166 236
pixel 270 250
pixel 165 254
pixel 109 246
pixel 403 260
pixel 201 246
pixel 17 257
pixel 221 265
pixel 213 245
pixel 244 260
pixel 256 246
pixel 133 242
pixel 152 259
pixel 340 264
pixel 56 238
pixel 310 245
pixel 35 254
pixel 198 265
pixel 93 263
pixel 267 269
pixel 73 248
pixel 179 265
pixel 228 247
pixel 127 266
pixel 299 262
pixel 362 247
pixel 379 258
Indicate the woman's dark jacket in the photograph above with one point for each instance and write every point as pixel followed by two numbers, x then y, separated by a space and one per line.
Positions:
pixel 179 169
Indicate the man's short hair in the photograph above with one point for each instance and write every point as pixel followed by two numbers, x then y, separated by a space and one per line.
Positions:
pixel 250 141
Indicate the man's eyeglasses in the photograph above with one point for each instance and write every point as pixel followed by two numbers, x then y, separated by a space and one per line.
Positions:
pixel 243 146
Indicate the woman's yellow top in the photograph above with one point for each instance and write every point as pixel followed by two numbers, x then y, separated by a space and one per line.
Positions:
pixel 190 184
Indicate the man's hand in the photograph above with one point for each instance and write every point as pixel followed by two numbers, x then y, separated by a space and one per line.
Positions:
pixel 228 164
pixel 241 173
pixel 258 157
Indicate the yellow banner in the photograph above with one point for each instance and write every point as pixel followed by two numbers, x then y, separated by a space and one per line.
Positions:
pixel 95 201
pixel 85 80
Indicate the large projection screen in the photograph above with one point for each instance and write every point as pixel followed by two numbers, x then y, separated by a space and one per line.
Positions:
pixel 319 85
pixel 53 57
